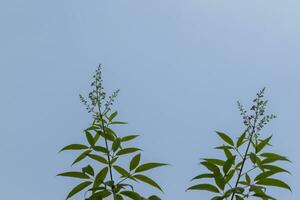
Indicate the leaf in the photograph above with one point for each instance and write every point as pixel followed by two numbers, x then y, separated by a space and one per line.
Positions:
pixel 229 176
pixel 78 188
pixel 215 161
pixel 213 168
pixel 264 175
pixel 262 144
pixel 273 182
pixel 89 138
pixel 226 138
pixel 220 181
pixel 127 151
pixel 74 175
pixel 207 187
pixel 203 176
pixel 241 139
pixel 271 157
pixel 112 116
pixel 100 149
pixel 118 197
pixel 121 170
pixel 147 180
pixel 113 160
pixel 248 179
pixel 100 195
pixel 253 158
pixel 228 153
pixel 275 168
pixel 100 177
pixel 154 197
pixel 228 164
pixel 238 197
pixel 148 166
pixel 116 144
pixel 89 170
pixel 128 138
pixel 98 158
pixel 135 162
pixel 74 147
pixel 108 134
pixel 118 123
pixel 131 194
pixel 82 156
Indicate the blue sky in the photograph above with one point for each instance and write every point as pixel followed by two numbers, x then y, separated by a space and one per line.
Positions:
pixel 181 66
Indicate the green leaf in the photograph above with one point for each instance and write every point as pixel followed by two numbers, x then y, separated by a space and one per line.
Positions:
pixel 203 176
pixel 238 197
pixel 128 138
pixel 118 123
pixel 253 158
pixel 100 195
pixel 229 176
pixel 264 175
pixel 147 180
pixel 89 138
pixel 74 147
pixel 118 197
pixel 127 151
pixel 248 179
pixel 78 188
pixel 98 158
pixel 212 167
pixel 215 161
pixel 135 162
pixel 112 116
pixel 148 166
pixel 262 144
pixel 82 156
pixel 121 170
pixel 74 175
pixel 89 170
pixel 273 182
pixel 228 153
pixel 100 177
pixel 220 181
pixel 275 168
pixel 100 149
pixel 116 144
pixel 228 164
pixel 226 138
pixel 207 187
pixel 241 140
pixel 131 195
pixel 113 160
pixel 154 197
pixel 272 157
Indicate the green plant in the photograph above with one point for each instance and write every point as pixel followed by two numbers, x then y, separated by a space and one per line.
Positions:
pixel 242 175
pixel 104 147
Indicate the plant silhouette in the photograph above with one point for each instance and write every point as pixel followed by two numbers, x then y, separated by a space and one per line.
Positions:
pixel 249 166
pixel 103 177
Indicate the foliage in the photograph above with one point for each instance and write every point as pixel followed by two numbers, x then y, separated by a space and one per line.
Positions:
pixel 105 148
pixel 242 175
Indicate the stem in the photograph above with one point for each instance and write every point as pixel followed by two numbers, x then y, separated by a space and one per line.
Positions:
pixel 106 145
pixel 245 155
pixel 249 171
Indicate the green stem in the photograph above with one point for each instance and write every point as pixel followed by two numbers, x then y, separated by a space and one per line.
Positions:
pixel 245 155
pixel 106 145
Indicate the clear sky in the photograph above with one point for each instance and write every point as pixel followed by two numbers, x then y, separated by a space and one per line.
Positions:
pixel 181 66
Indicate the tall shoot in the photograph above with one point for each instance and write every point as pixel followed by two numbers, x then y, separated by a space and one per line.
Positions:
pixel 103 177
pixel 249 167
